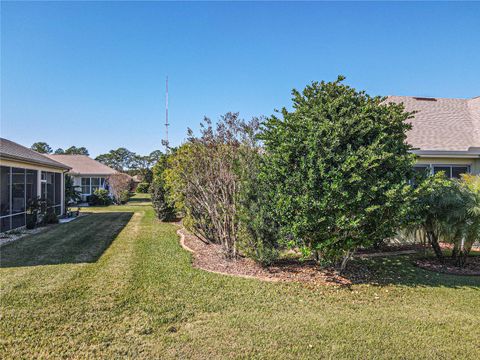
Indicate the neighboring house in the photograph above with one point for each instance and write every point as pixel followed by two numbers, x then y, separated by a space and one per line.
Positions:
pixel 26 175
pixel 445 133
pixel 88 174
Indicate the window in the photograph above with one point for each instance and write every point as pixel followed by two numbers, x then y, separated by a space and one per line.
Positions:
pixel 422 169
pixel 95 182
pixel 452 171
pixel 459 170
pixel 90 184
pixel 86 186
pixel 444 169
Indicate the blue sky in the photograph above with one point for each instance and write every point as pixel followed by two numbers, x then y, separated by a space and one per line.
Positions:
pixel 93 74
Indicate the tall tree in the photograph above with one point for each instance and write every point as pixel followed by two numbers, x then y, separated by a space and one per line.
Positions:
pixel 41 147
pixel 337 167
pixel 73 150
pixel 120 159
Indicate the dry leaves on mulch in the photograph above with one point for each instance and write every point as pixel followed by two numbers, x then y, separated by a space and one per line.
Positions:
pixel 209 257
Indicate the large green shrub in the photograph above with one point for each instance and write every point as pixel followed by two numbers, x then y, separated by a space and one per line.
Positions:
pixel 337 168
pixel 259 231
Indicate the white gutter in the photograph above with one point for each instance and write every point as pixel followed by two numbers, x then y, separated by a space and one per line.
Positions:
pixel 471 153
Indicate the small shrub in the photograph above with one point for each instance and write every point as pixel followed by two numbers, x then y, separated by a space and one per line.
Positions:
pixel 50 217
pixel 143 187
pixel 31 221
pixel 100 197
pixel 124 196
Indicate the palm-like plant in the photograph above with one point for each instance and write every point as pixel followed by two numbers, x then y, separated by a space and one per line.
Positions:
pixel 447 210
pixel 466 220
pixel 72 195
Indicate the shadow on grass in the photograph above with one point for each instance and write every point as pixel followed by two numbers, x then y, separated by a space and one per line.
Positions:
pixel 400 270
pixel 81 241
pixel 134 200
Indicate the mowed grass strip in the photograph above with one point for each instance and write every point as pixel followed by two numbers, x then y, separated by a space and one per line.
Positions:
pixel 141 298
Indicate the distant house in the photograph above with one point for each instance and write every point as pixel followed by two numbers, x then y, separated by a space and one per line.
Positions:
pixel 88 174
pixel 26 175
pixel 445 134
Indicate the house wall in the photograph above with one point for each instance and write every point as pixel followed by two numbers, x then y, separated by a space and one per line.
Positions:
pixel 77 181
pixel 474 163
pixel 9 214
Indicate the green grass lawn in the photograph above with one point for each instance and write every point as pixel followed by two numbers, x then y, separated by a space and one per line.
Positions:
pixel 116 284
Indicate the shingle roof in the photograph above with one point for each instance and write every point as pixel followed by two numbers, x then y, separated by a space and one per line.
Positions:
pixel 83 165
pixel 12 150
pixel 442 124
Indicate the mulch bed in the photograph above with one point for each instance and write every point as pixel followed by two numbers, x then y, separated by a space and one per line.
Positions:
pixel 210 257
pixel 471 268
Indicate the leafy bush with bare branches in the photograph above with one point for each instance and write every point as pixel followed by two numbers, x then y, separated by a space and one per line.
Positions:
pixel 204 178
pixel 120 185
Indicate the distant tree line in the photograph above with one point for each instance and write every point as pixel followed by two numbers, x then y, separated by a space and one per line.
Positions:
pixel 43 148
pixel 121 159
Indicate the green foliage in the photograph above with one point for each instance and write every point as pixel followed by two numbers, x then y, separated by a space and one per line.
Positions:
pixel 41 147
pixel 259 230
pixel 143 187
pixel 120 159
pixel 337 167
pixel 31 221
pixel 124 196
pixel 100 197
pixel 447 210
pixel 73 150
pixel 163 206
pixel 203 178
pixel 72 194
pixel 428 207
pixel 49 217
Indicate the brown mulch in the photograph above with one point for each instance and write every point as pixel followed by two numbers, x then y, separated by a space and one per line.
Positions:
pixel 210 257
pixel 448 267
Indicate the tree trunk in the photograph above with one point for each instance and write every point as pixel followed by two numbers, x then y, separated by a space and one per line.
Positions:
pixel 345 260
pixel 432 237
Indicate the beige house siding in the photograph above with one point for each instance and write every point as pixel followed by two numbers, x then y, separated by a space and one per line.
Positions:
pixel 474 163
pixel 30 166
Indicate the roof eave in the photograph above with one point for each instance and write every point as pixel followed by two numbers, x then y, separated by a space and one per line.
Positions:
pixel 36 162
pixel 471 153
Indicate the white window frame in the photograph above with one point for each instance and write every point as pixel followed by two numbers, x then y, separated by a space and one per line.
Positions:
pixel 99 186
pixel 430 168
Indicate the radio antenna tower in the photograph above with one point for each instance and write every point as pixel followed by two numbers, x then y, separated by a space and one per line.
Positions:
pixel 166 117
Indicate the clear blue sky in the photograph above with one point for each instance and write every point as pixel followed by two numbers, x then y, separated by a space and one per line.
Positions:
pixel 93 74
